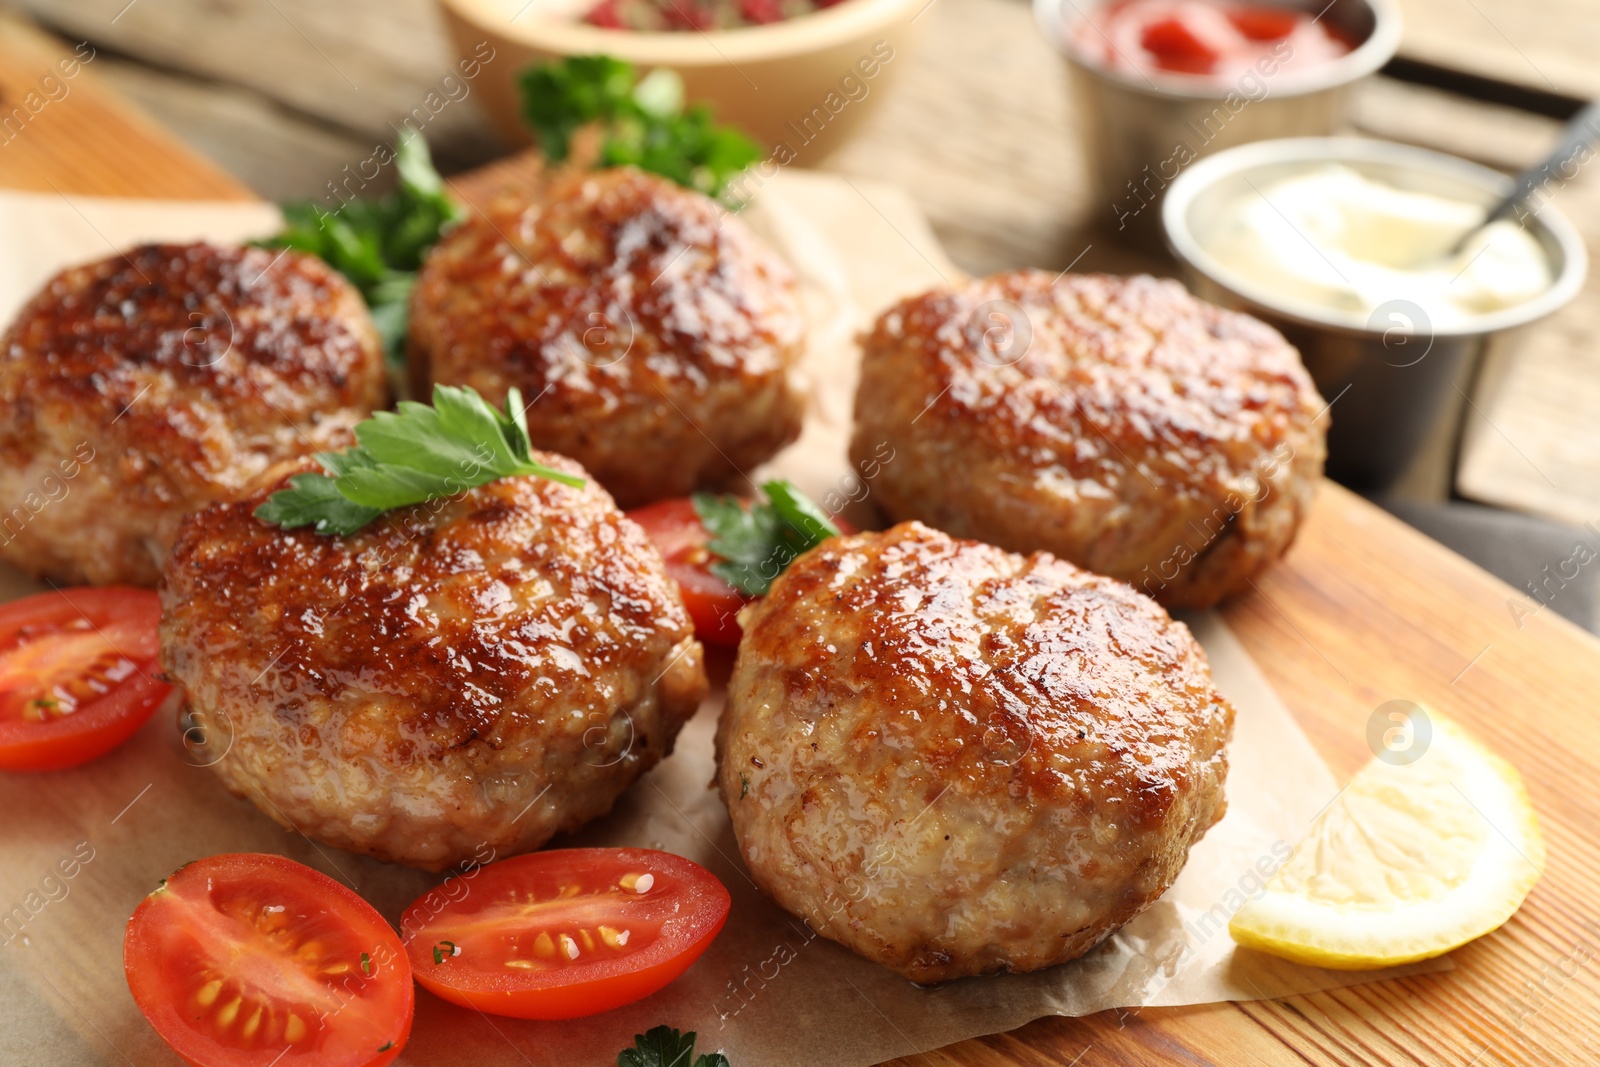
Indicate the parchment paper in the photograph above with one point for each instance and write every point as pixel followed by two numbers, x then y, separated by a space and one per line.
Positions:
pixel 768 992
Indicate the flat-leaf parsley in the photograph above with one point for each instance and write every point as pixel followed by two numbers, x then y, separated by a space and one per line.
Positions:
pixel 642 121
pixel 378 243
pixel 753 544
pixel 410 456
pixel 663 1046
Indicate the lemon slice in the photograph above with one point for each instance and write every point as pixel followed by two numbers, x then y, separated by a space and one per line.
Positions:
pixel 1411 860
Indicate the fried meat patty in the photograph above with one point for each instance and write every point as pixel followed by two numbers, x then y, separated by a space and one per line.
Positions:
pixel 140 388
pixel 1116 422
pixel 655 338
pixel 955 760
pixel 483 670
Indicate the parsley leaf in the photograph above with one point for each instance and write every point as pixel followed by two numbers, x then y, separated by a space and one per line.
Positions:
pixel 642 122
pixel 378 243
pixel 410 456
pixel 561 97
pixel 754 544
pixel 314 499
pixel 663 1046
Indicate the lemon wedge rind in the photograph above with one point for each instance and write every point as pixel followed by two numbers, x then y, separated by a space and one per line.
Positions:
pixel 1309 912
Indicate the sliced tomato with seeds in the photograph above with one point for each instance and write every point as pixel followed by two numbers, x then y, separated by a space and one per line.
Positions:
pixel 250 960
pixel 77 674
pixel 557 935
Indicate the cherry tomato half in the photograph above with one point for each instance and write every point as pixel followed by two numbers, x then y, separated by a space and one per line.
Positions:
pixel 77 674
pixel 247 960
pixel 684 543
pixel 556 935
pixel 713 604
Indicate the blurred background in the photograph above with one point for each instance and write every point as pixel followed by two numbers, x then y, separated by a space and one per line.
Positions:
pixel 981 130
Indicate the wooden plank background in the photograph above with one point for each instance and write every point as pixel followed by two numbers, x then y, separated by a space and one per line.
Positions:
pixel 1546 45
pixel 1364 610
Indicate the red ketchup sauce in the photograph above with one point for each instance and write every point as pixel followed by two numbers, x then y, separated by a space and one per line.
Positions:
pixel 1213 39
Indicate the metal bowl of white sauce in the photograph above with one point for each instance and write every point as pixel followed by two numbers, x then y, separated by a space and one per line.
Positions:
pixel 1344 244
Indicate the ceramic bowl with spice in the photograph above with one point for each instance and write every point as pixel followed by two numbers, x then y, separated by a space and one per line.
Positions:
pixel 800 76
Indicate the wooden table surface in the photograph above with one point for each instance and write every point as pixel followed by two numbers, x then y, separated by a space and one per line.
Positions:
pixel 1362 611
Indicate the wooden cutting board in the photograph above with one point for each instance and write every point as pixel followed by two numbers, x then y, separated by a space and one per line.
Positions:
pixel 1363 610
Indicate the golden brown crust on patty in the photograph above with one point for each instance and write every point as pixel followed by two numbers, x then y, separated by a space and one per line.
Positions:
pixel 1116 422
pixel 954 759
pixel 142 387
pixel 654 336
pixel 484 670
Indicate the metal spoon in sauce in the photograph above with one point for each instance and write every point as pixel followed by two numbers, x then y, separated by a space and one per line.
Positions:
pixel 1579 133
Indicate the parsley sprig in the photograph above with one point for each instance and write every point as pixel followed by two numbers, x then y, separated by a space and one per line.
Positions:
pixel 378 243
pixel 753 544
pixel 642 122
pixel 663 1046
pixel 410 456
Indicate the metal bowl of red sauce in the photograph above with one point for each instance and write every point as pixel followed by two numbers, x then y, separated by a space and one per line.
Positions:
pixel 1161 83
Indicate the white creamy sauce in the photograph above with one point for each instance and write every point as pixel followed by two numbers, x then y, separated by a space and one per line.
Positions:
pixel 1336 239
